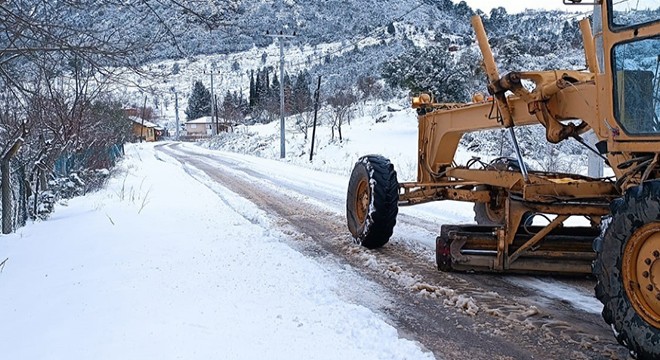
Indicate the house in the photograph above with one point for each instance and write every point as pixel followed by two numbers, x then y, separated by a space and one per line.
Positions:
pixel 204 127
pixel 146 130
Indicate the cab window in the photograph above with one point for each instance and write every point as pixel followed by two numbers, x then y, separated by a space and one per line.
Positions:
pixel 637 85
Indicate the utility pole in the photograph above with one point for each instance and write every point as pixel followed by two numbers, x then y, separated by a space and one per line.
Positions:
pixel 281 36
pixel 217 122
pixel 213 101
pixel 144 111
pixel 176 112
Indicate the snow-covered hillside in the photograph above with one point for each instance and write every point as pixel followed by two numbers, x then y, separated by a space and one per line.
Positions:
pixel 394 135
pixel 532 40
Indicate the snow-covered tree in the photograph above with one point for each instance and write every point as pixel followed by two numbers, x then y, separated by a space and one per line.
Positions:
pixel 301 97
pixel 232 107
pixel 341 103
pixel 368 86
pixel 199 103
pixel 433 69
pixel 58 58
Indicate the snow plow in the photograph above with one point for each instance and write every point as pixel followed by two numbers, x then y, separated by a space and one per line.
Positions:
pixel 618 237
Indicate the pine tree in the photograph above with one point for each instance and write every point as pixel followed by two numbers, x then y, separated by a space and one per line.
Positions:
pixel 199 103
pixel 228 107
pixel 232 106
pixel 431 69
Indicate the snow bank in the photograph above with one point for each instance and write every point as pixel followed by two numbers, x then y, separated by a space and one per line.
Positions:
pixel 157 266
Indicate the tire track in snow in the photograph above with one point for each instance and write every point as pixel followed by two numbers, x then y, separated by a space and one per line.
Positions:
pixel 453 315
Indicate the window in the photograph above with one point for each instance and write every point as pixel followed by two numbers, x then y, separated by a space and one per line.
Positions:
pixel 632 13
pixel 637 86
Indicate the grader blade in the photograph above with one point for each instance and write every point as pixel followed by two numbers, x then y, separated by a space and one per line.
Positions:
pixel 564 250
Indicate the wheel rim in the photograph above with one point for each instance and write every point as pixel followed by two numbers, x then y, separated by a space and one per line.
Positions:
pixel 641 272
pixel 362 203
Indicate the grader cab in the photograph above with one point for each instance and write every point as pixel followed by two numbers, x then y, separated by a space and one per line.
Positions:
pixel 618 98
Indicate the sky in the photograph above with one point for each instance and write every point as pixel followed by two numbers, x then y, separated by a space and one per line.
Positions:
pixel 515 6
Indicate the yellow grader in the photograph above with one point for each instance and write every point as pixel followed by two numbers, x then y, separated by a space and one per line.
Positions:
pixel 618 97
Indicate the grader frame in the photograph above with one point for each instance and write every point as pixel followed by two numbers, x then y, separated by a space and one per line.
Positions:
pixel 558 96
pixel 619 99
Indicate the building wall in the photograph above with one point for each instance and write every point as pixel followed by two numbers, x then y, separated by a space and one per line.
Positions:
pixel 147 133
pixel 205 129
pixel 199 129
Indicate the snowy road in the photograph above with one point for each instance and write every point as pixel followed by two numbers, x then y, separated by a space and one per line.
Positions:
pixel 156 265
pixel 453 315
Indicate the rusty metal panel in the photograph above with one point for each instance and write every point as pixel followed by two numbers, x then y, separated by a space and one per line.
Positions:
pixel 570 190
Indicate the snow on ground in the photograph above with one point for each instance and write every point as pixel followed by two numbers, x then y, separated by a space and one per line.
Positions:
pixel 163 266
pixel 157 266
pixel 391 137
pixel 394 136
pixel 558 290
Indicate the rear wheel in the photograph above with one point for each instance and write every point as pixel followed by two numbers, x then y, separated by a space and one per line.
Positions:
pixel 492 215
pixel 486 214
pixel 372 201
pixel 628 270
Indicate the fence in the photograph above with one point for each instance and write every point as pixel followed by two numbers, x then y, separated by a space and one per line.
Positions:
pixel 27 190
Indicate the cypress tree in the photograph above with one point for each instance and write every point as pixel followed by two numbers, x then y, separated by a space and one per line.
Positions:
pixel 258 90
pixel 288 94
pixel 253 90
pixel 267 83
pixel 275 85
pixel 274 97
pixel 302 96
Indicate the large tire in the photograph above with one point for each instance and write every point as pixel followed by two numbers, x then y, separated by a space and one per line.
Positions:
pixel 627 268
pixel 372 201
pixel 484 214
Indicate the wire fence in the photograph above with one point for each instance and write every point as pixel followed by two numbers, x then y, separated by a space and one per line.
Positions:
pixel 33 195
